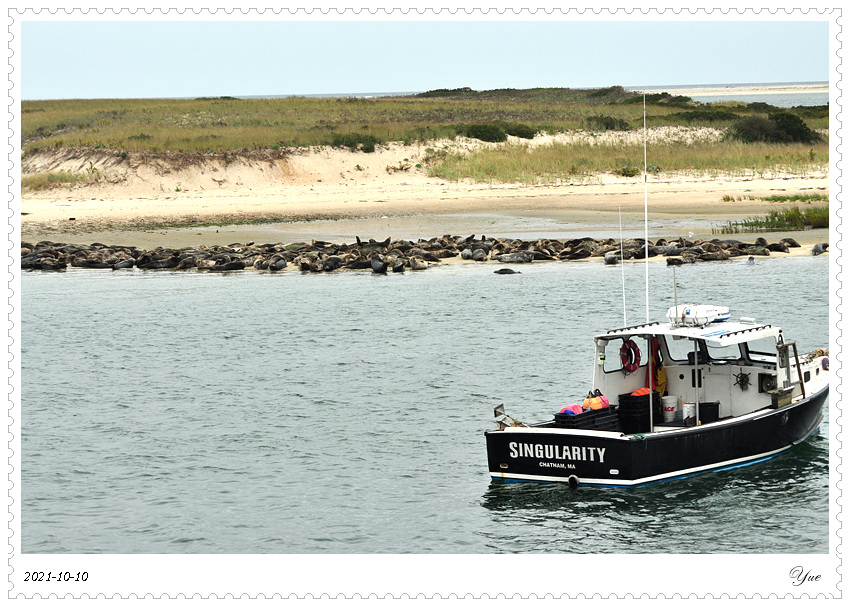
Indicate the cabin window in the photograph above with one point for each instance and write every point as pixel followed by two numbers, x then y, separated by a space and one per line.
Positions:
pixel 612 356
pixel 761 350
pixel 729 353
pixel 679 349
pixel 613 362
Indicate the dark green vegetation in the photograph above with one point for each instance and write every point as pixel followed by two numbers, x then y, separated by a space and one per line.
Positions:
pixel 607 123
pixel 796 218
pixel 661 99
pixel 778 127
pixel 703 116
pixel 808 198
pixel 495 131
pixel 355 142
pixel 561 96
pixel 797 198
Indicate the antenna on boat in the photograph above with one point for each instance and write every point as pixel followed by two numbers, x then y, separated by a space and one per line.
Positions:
pixel 622 266
pixel 675 293
pixel 650 371
pixel 645 210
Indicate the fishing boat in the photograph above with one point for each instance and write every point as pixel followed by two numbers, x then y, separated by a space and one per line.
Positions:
pixel 694 393
pixel 697 392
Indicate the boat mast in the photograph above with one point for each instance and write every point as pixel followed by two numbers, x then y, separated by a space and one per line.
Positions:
pixel 675 295
pixel 645 210
pixel 622 265
pixel 650 370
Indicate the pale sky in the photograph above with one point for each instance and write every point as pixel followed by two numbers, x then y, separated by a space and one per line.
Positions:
pixel 79 59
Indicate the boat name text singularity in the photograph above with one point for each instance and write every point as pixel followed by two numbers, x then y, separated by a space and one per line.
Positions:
pixel 582 454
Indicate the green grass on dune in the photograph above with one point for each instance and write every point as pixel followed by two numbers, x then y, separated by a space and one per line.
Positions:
pixel 49 180
pixel 574 162
pixel 794 218
pixel 230 125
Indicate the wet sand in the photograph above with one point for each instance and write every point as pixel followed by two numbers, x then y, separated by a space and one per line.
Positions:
pixel 598 211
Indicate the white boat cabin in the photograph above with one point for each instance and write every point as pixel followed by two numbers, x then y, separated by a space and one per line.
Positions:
pixel 742 365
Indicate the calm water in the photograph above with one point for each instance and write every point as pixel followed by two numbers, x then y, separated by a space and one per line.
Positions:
pixel 344 413
pixel 777 99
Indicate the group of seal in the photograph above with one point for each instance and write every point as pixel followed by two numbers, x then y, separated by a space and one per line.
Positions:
pixel 386 255
pixel 682 251
pixel 316 256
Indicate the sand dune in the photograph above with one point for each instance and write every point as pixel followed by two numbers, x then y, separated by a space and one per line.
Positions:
pixel 370 193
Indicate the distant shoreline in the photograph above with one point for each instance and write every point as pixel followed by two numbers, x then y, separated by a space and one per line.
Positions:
pixel 743 89
pixel 678 89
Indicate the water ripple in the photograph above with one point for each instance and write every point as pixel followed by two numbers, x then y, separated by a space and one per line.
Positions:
pixel 346 415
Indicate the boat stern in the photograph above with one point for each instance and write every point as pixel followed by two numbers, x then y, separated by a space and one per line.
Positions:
pixel 577 457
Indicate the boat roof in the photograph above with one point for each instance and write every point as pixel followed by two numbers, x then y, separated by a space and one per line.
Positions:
pixel 724 333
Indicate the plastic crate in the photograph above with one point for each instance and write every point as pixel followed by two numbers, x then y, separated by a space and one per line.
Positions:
pixel 640 404
pixel 611 423
pixel 594 419
pixel 634 423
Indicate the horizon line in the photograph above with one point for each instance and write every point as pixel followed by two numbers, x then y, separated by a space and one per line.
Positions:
pixel 410 93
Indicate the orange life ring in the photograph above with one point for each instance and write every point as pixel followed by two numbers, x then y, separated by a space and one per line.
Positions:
pixel 630 356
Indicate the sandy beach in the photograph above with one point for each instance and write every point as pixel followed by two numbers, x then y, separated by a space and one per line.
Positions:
pixel 336 195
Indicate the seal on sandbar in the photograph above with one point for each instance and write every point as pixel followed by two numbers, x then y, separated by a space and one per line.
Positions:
pixel 506 271
pixel 379 266
pixel 518 257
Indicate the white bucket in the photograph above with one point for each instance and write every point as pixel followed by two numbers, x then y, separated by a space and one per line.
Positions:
pixel 689 411
pixel 670 404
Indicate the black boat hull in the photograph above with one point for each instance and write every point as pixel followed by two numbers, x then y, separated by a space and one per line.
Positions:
pixel 547 454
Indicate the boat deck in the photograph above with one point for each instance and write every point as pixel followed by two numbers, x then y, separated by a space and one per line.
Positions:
pixel 673 425
pixel 665 426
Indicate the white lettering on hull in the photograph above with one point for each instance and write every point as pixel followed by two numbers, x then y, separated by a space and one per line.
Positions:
pixel 557 452
pixel 557 465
